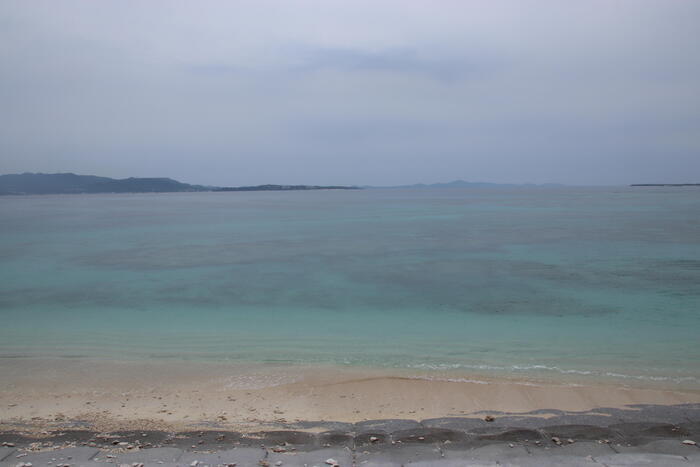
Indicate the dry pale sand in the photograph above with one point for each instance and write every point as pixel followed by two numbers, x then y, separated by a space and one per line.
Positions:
pixel 109 395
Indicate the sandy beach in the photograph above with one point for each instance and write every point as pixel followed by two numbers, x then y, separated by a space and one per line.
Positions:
pixel 36 394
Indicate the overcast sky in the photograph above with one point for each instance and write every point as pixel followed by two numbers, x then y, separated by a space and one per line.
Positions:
pixel 353 92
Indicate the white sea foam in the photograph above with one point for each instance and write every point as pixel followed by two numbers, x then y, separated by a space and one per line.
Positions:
pixel 678 380
pixel 553 369
pixel 450 380
pixel 258 380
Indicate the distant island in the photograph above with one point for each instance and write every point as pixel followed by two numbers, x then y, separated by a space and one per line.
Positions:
pixel 665 184
pixel 285 188
pixel 465 184
pixel 70 183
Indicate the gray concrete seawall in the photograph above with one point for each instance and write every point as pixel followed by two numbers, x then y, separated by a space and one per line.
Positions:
pixel 639 435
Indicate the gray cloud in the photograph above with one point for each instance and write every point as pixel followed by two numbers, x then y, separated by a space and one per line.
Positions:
pixel 398 61
pixel 586 92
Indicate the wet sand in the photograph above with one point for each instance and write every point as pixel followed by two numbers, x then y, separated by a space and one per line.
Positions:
pixel 38 394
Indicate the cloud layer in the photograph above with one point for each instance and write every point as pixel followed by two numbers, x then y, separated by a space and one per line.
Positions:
pixel 362 92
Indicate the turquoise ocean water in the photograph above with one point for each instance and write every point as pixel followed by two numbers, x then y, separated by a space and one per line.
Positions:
pixel 565 283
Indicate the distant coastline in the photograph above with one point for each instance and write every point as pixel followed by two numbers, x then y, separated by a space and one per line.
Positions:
pixel 70 183
pixel 285 188
pixel 665 184
pixel 466 184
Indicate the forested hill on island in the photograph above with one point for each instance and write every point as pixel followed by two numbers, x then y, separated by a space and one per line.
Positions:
pixel 70 183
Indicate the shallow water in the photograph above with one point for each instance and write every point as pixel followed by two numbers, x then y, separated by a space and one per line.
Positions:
pixel 575 284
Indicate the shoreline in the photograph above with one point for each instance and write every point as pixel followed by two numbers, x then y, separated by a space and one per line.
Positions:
pixel 643 435
pixel 106 395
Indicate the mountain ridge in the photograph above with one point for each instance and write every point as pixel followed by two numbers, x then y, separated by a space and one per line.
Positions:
pixel 29 183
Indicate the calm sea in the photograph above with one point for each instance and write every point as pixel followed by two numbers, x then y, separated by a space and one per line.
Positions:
pixel 565 283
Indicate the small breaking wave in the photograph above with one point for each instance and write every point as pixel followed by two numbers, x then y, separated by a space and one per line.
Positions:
pixel 552 369
pixel 450 380
pixel 258 381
